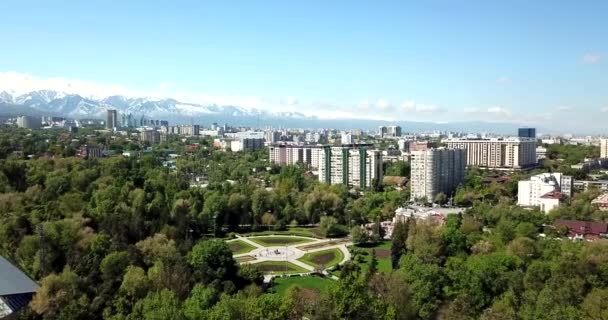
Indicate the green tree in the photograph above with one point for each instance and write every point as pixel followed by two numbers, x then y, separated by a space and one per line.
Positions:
pixel 358 235
pixel 211 260
pixel 162 305
pixel 398 242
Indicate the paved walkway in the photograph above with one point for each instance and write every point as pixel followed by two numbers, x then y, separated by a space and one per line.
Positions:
pixel 290 253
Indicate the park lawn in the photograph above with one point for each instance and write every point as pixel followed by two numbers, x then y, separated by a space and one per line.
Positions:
pixel 279 241
pixel 279 267
pixel 383 256
pixel 326 258
pixel 280 286
pixel 240 247
pixel 295 231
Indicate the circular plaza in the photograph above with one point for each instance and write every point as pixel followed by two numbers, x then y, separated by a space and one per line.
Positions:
pixel 280 254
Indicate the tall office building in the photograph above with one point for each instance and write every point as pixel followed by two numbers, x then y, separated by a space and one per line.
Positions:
pixel 393 131
pixel 352 165
pixel 111 119
pixel 28 122
pixel 382 131
pixel 497 153
pixel 527 133
pixel 436 170
pixel 603 148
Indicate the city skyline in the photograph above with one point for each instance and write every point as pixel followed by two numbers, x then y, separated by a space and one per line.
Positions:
pixel 436 62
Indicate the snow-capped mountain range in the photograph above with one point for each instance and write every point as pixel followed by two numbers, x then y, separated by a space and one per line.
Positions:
pixel 58 103
pixel 77 106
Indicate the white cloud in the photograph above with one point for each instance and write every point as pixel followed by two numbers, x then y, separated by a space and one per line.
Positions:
pixel 500 111
pixel 604 109
pixel 384 104
pixel 565 109
pixel 591 58
pixel 417 107
pixel 495 113
pixel 21 83
pixel 289 101
pixel 503 80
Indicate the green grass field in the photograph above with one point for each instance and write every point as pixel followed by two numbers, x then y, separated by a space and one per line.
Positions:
pixel 239 247
pixel 326 258
pixel 383 256
pixel 295 231
pixel 279 241
pixel 282 285
pixel 279 267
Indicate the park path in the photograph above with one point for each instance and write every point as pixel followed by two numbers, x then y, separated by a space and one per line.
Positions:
pixel 249 242
pixel 298 253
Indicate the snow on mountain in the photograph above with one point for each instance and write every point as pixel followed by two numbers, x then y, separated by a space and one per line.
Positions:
pixel 77 106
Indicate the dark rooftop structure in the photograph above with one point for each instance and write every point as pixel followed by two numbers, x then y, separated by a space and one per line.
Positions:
pixel 584 229
pixel 16 289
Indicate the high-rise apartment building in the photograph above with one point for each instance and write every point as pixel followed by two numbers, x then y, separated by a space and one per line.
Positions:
pixel 603 148
pixel 272 136
pixel 246 144
pixel 436 170
pixel 354 165
pixel 346 138
pixel 111 119
pixel 291 154
pixel 151 136
pixel 28 122
pixel 497 153
pixel 527 133
pixel 542 190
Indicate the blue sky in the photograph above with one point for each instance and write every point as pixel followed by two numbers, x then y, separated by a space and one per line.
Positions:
pixel 513 61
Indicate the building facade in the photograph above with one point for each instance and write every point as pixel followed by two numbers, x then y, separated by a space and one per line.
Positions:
pixel 527 133
pixel 436 170
pixel 346 138
pixel 111 119
pixel 542 190
pixel 293 154
pixel 497 153
pixel 151 136
pixel 354 165
pixel 393 131
pixel 28 122
pixel 603 148
pixel 246 144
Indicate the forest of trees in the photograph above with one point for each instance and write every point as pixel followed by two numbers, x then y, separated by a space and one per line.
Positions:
pixel 126 238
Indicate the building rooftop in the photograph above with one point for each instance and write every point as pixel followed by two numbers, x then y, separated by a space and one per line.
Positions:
pixel 13 280
pixel 583 227
pixel 602 199
pixel 553 195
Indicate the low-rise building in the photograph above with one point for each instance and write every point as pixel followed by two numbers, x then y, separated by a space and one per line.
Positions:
pixel 584 185
pixel 543 190
pixel 601 202
pixel 583 230
pixel 16 290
